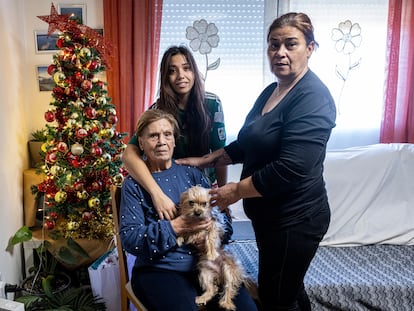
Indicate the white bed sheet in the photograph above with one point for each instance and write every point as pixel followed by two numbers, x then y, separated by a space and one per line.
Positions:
pixel 371 195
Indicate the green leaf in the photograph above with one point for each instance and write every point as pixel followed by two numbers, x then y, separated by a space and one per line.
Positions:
pixel 27 300
pixel 22 235
pixel 46 285
pixel 77 248
pixel 65 255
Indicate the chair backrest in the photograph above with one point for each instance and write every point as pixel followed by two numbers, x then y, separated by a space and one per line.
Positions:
pixel 127 295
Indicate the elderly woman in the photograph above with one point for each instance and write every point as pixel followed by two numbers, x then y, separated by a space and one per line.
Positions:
pixel 164 276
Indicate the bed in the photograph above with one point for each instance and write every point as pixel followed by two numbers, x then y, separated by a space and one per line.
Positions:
pixel 366 260
pixel 358 278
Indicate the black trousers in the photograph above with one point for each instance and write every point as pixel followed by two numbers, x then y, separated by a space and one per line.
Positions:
pixel 284 258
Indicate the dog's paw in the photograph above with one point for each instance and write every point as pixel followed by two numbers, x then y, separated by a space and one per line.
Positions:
pixel 180 241
pixel 227 305
pixel 201 301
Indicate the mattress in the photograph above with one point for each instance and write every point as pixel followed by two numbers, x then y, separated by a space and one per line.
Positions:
pixel 359 278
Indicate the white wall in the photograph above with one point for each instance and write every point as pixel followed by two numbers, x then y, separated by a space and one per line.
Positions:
pixel 22 108
pixel 12 129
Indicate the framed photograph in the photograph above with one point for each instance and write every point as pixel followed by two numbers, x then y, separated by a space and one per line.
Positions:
pixel 44 80
pixel 99 30
pixel 45 44
pixel 77 12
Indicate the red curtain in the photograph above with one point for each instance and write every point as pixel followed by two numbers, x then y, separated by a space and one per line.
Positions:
pixel 133 29
pixel 398 119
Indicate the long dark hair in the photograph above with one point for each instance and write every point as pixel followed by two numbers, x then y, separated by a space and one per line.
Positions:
pixel 197 119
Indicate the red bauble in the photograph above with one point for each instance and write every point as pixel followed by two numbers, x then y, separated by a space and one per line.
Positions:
pixel 42 187
pixel 86 85
pixel 96 185
pixel 49 116
pixel 78 77
pixel 51 157
pixel 91 113
pixel 60 43
pixel 95 128
pixel 100 84
pixel 112 119
pixel 86 216
pixel 92 65
pixel 58 92
pixel 81 133
pixel 51 69
pixel 78 185
pixel 53 215
pixel 62 147
pixel 49 224
pixel 96 151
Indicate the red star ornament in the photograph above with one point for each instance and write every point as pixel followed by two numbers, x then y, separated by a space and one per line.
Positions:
pixel 55 21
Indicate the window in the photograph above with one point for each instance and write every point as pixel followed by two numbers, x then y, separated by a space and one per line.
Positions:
pixel 243 71
pixel 359 98
pixel 239 78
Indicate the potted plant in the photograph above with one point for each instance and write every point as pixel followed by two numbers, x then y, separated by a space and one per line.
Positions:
pixel 44 277
pixel 37 139
pixel 69 298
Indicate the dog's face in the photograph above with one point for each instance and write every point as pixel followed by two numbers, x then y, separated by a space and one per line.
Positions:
pixel 195 202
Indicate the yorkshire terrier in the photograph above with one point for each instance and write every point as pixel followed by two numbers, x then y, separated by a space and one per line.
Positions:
pixel 219 272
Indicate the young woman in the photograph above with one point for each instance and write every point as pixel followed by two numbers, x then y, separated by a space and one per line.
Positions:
pixel 200 118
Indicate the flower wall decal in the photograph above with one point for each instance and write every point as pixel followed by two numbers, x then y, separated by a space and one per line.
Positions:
pixel 203 38
pixel 347 38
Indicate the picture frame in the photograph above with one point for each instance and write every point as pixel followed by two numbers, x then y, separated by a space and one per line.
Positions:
pixel 45 43
pixel 76 11
pixel 100 31
pixel 44 80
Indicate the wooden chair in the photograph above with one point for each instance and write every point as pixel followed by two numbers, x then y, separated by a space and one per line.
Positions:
pixel 127 294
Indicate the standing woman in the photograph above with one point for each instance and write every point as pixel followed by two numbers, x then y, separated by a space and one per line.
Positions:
pixel 200 118
pixel 282 146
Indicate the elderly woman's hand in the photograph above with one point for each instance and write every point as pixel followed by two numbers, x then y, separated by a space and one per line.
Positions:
pixel 183 224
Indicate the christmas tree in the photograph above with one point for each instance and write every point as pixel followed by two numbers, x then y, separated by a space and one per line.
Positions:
pixel 82 154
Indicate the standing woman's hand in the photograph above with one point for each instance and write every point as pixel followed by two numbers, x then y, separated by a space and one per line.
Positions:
pixel 232 192
pixel 194 161
pixel 225 195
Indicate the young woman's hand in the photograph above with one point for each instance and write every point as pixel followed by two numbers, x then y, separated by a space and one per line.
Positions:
pixel 165 208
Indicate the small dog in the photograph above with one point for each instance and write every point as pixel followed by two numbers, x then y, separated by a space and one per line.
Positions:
pixel 218 270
